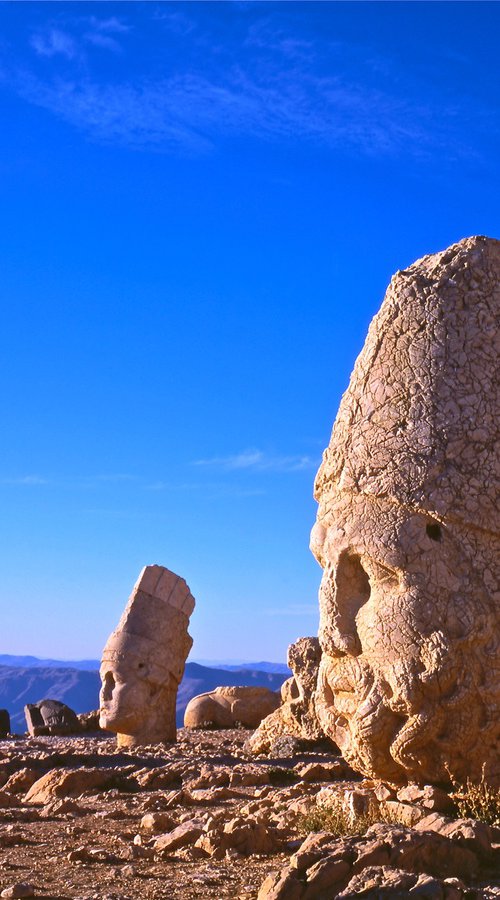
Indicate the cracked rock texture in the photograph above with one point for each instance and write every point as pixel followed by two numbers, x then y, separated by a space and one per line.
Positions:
pixel 200 819
pixel 226 707
pixel 408 527
pixel 144 658
pixel 296 716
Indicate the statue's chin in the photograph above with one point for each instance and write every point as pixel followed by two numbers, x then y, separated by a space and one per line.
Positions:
pixel 107 722
pixel 119 723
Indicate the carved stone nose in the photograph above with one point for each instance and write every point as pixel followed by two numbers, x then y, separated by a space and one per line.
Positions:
pixel 345 588
pixel 108 686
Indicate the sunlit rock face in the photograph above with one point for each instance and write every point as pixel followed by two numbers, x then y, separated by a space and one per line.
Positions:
pixel 144 658
pixel 296 716
pixel 408 528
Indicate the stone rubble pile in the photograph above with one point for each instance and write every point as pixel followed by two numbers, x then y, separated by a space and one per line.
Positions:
pixel 146 816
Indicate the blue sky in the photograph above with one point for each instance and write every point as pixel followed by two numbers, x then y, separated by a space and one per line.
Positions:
pixel 200 208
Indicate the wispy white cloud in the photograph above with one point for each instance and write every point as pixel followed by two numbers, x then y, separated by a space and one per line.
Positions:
pixel 150 115
pixel 111 24
pixel 175 21
pixel 25 480
pixel 259 461
pixel 105 41
pixel 279 82
pixel 190 111
pixel 54 42
pixel 76 481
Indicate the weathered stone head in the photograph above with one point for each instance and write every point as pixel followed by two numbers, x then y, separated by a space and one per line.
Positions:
pixel 296 716
pixel 144 658
pixel 408 530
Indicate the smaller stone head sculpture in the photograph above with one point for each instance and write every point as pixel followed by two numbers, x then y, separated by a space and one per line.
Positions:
pixel 144 658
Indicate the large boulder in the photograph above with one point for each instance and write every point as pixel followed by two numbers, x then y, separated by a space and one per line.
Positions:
pixel 408 531
pixel 50 717
pixel 228 707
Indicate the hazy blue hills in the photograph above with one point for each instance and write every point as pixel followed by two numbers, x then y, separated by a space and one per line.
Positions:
pixel 36 663
pixel 29 682
pixel 20 685
pixel 230 666
pixel 93 664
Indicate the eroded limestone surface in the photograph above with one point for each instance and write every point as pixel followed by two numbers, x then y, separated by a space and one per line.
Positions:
pixel 144 658
pixel 408 530
pixel 296 715
pixel 228 707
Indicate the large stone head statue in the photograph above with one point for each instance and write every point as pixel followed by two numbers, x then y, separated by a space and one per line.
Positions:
pixel 408 530
pixel 143 660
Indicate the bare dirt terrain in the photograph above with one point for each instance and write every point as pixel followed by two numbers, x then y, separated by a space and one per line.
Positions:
pixel 197 819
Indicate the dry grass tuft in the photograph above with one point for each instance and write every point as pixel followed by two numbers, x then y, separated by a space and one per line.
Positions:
pixel 477 801
pixel 338 820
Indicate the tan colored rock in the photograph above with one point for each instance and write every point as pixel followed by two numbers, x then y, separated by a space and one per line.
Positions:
pixel 67 783
pixel 326 866
pixel 19 889
pixel 158 778
pixel 408 531
pixel 144 658
pixel 404 813
pixel 328 771
pixel 21 781
pixel 182 836
pixel 428 796
pixel 89 721
pixel 383 881
pixel 475 836
pixel 227 707
pixel 157 822
pixel 296 716
pixel 281 885
pixel 245 836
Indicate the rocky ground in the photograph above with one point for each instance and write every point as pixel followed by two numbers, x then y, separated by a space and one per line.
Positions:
pixel 204 819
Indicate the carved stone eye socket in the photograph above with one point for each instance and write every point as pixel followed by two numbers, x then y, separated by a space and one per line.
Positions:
pixel 433 530
pixel 108 686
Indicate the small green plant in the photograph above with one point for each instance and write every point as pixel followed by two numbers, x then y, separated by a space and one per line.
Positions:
pixel 478 801
pixel 280 776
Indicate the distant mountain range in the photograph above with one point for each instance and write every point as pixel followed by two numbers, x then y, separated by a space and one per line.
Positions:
pixel 29 662
pixel 236 666
pixel 33 662
pixel 27 679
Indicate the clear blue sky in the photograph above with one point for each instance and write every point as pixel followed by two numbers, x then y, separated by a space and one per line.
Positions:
pixel 201 206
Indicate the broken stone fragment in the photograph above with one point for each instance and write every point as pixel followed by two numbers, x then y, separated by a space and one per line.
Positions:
pixel 228 707
pixel 157 822
pixel 296 716
pixel 144 658
pixel 21 781
pixel 184 834
pixel 67 782
pixel 50 717
pixel 20 889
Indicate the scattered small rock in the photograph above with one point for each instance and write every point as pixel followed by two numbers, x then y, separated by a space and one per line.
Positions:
pixel 20 889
